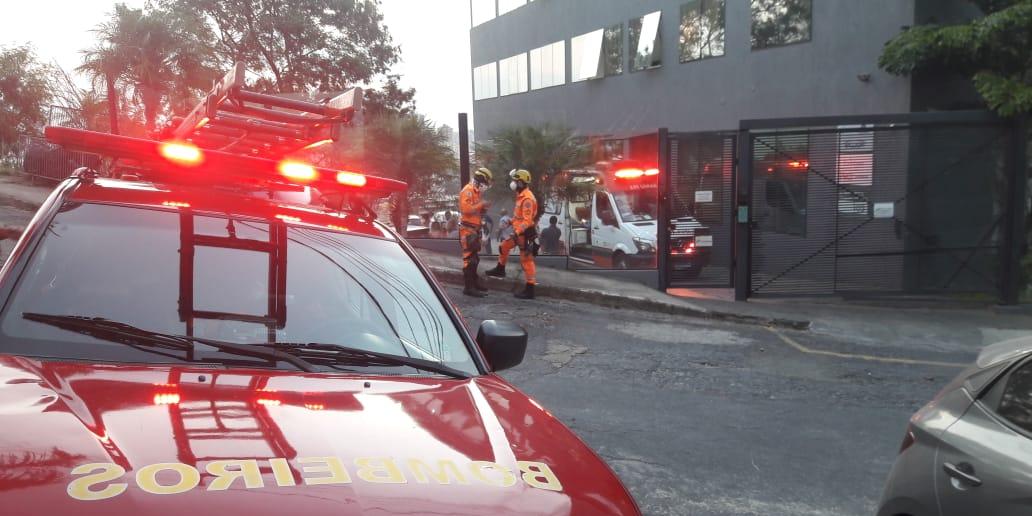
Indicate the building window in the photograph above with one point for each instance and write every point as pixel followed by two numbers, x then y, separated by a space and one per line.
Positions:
pixel 512 75
pixel 702 29
pixel 612 46
pixel 505 6
pixel 586 56
pixel 485 82
pixel 780 22
pixel 482 11
pixel 646 46
pixel 548 65
pixel 597 54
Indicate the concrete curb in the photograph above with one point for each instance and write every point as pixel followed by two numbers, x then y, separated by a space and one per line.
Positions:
pixel 610 300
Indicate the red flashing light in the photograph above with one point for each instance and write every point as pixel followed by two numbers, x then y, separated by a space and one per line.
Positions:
pixel 176 204
pixel 652 172
pixel 181 153
pixel 689 248
pixel 203 122
pixel 337 228
pixel 288 218
pixel 268 402
pixel 166 398
pixel 630 173
pixel 297 171
pixel 798 164
pixel 315 406
pixel 351 179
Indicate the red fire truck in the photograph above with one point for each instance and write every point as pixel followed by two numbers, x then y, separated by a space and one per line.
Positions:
pixel 191 339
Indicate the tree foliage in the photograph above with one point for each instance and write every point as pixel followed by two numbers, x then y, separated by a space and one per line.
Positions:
pixel 25 92
pixel 390 99
pixel 545 151
pixel 158 57
pixel 995 51
pixel 299 45
pixel 84 108
pixel 408 148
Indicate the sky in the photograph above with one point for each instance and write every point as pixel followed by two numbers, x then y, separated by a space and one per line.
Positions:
pixel 433 36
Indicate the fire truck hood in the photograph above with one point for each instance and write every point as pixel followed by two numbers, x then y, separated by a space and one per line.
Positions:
pixel 126 439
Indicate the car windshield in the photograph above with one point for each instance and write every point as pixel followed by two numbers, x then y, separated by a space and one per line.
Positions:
pixel 237 280
pixel 636 206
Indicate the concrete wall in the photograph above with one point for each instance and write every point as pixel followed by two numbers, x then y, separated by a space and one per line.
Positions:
pixel 814 78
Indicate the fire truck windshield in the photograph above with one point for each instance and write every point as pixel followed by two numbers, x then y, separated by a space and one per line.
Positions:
pixel 636 205
pixel 244 281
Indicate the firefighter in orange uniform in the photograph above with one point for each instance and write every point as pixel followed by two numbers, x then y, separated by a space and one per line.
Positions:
pixel 524 225
pixel 472 209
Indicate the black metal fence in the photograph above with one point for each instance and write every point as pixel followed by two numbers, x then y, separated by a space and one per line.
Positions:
pixel 903 204
pixel 40 159
pixel 701 204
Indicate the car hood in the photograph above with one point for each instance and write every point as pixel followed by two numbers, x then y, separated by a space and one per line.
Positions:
pixel 119 439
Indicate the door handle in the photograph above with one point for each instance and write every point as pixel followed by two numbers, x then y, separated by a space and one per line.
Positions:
pixel 963 472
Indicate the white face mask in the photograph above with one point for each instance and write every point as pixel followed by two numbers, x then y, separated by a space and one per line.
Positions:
pixel 513 186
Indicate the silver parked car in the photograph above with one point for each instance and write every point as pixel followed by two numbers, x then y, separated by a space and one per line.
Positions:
pixel 969 451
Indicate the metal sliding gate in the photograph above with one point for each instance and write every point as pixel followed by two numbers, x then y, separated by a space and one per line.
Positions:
pixel 909 204
pixel 700 207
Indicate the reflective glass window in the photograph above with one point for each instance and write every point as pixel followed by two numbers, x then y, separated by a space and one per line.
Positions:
pixel 702 29
pixel 780 22
pixel 645 42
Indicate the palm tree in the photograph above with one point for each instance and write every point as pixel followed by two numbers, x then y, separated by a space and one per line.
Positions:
pixel 545 151
pixel 105 64
pixel 156 54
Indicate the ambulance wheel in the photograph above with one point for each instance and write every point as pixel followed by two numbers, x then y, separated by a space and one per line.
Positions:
pixel 619 260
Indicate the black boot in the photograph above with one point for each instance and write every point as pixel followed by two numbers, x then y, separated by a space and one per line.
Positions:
pixel 478 283
pixel 469 275
pixel 497 272
pixel 528 292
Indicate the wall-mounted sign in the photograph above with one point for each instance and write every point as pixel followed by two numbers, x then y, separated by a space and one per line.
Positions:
pixel 704 196
pixel 884 210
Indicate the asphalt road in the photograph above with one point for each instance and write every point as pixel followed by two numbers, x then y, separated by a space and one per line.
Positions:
pixel 708 418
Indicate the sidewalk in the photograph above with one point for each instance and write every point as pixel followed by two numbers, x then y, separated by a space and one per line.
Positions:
pixel 15 191
pixel 573 286
pixel 911 327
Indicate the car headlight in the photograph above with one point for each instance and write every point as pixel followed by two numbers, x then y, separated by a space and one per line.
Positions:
pixel 645 246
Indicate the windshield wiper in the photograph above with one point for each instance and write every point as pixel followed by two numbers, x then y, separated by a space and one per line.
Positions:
pixel 318 350
pixel 114 331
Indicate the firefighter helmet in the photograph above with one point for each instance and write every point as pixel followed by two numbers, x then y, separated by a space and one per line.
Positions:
pixel 484 175
pixel 520 175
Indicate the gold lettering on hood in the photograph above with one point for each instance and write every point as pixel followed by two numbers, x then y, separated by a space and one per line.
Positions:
pixel 100 481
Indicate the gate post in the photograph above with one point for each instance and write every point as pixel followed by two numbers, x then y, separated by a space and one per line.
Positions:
pixel 743 217
pixel 1014 206
pixel 663 211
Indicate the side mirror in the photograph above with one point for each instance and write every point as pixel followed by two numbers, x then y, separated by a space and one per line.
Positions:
pixel 503 343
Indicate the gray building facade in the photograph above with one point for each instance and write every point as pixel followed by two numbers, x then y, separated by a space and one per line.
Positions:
pixel 830 70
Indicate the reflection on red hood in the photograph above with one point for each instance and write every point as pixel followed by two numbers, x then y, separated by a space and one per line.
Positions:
pixel 116 439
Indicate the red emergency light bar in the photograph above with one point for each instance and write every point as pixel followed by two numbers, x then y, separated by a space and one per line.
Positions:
pixel 201 164
pixel 636 173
